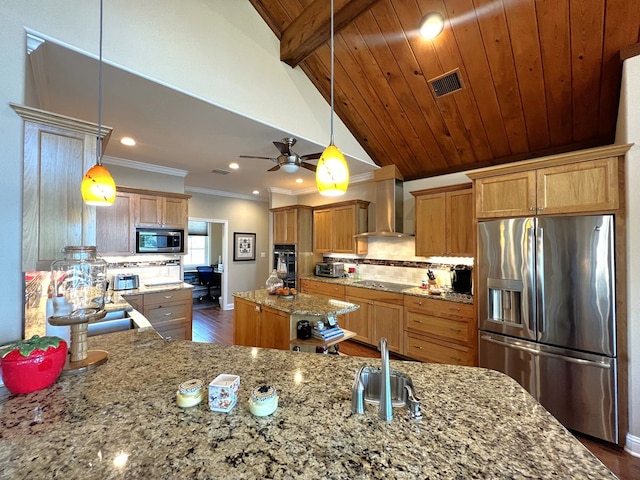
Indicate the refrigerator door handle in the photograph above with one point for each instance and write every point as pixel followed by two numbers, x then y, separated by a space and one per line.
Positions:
pixel 533 351
pixel 540 280
pixel 531 251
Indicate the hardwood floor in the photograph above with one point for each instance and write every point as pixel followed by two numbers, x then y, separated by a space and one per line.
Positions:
pixel 214 325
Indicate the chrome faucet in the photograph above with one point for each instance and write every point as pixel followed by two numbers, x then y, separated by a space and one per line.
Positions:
pixel 385 412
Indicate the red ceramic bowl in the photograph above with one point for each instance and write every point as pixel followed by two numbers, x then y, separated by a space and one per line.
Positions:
pixel 37 371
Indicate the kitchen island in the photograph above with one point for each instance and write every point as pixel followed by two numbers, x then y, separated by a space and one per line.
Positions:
pixel 270 321
pixel 121 421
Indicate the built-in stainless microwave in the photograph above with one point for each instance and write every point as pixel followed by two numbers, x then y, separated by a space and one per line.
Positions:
pixel 158 240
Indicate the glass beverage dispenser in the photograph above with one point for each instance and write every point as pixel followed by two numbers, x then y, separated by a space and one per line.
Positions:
pixel 80 278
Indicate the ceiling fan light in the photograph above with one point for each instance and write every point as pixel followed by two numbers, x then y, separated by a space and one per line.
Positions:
pixel 332 173
pixel 289 167
pixel 98 187
pixel 431 25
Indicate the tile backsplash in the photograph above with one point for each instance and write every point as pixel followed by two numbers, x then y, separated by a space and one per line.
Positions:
pixel 393 260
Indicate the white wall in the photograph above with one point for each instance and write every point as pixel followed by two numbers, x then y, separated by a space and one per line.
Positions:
pixel 243 216
pixel 628 131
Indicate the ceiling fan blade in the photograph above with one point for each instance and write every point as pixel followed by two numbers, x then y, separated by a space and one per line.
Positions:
pixel 273 169
pixel 253 156
pixel 283 147
pixel 311 156
pixel 308 166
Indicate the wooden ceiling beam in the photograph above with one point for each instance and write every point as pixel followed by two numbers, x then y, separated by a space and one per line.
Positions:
pixel 312 28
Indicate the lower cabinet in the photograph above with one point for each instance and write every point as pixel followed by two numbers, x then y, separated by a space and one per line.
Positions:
pixel 380 315
pixel 439 331
pixel 326 290
pixel 170 313
pixel 259 326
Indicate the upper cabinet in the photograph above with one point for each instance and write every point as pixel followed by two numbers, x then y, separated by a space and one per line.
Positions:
pixel 335 225
pixel 116 225
pixel 444 221
pixel 293 224
pixel 586 181
pixel 58 151
pixel 115 232
pixel 161 210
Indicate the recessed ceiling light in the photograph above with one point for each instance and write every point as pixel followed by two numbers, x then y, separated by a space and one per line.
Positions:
pixel 298 180
pixel 256 192
pixel 234 166
pixel 128 141
pixel 431 25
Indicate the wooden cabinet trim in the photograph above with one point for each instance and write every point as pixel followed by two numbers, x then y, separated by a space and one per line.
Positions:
pixel 551 160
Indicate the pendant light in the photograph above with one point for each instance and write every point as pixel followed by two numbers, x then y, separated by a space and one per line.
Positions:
pixel 332 172
pixel 98 187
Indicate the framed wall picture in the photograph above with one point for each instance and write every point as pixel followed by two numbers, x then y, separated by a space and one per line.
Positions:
pixel 244 246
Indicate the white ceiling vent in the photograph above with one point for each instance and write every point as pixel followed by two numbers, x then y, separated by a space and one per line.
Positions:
pixel 445 84
pixel 219 171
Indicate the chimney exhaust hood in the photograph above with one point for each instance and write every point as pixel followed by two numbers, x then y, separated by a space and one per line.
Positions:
pixel 389 204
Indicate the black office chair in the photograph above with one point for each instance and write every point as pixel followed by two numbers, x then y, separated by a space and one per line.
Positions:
pixel 205 278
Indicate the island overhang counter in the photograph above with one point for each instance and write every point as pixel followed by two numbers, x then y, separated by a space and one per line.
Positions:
pixel 121 420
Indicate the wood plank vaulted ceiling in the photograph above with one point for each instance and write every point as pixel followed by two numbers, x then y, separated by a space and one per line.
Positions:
pixel 539 76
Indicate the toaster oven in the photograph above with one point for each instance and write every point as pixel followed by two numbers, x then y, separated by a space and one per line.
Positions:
pixel 333 269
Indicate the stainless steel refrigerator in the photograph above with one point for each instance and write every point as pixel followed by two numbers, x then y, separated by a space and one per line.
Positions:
pixel 547 314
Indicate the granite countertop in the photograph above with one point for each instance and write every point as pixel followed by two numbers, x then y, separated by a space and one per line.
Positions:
pixel 415 291
pixel 154 288
pixel 121 421
pixel 300 304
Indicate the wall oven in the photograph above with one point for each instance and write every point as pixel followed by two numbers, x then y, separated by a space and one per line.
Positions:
pixel 158 240
pixel 285 263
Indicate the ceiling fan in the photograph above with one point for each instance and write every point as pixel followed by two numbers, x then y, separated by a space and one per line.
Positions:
pixel 289 160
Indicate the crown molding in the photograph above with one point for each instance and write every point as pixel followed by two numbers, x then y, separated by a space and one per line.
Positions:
pixel 220 193
pixel 145 166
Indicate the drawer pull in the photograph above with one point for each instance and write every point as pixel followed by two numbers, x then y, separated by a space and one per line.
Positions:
pixel 418 321
pixel 168 314
pixel 168 296
pixel 455 330
pixel 455 358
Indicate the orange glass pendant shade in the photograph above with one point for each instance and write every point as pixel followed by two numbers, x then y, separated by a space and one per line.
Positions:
pixel 332 173
pixel 98 187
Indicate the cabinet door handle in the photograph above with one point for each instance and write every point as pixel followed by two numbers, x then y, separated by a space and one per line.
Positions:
pixel 455 358
pixel 168 296
pixel 168 314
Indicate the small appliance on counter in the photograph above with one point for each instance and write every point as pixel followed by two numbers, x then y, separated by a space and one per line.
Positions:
pixel 125 282
pixel 461 279
pixel 333 269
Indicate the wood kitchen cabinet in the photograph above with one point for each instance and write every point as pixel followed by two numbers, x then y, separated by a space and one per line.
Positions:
pixel 335 225
pixel 256 325
pixel 293 225
pixel 586 181
pixel 115 231
pixel 444 221
pixel 161 211
pixel 380 315
pixel 170 313
pixel 439 331
pixel 58 150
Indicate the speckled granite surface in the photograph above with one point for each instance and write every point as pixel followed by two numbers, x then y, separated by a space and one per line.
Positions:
pixel 301 304
pixel 122 421
pixel 415 291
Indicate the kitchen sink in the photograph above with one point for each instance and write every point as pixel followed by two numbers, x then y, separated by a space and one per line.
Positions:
pixel 115 321
pixel 371 377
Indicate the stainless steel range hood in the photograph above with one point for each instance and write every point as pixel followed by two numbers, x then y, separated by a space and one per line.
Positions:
pixel 389 204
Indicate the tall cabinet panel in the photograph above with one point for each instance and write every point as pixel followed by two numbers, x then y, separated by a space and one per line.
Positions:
pixel 58 150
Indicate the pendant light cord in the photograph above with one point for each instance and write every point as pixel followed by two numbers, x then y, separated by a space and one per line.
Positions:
pixel 331 72
pixel 99 149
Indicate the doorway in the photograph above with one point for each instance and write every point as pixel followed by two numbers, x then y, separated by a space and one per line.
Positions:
pixel 217 255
